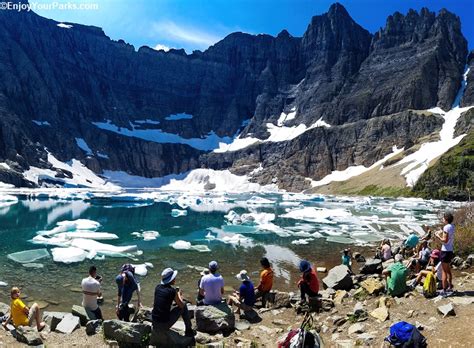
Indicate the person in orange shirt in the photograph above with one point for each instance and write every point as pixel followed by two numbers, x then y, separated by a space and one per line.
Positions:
pixel 308 283
pixel 21 315
pixel 266 281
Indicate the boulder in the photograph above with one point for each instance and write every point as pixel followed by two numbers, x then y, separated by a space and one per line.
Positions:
pixel 217 318
pixel 470 260
pixel 457 261
pixel 447 309
pixel 372 266
pixel 340 296
pixel 168 338
pixel 93 327
pixel 372 286
pixel 53 318
pixel 242 325
pixel 68 324
pixel 338 278
pixel 360 294
pixel 143 314
pixel 83 314
pixel 359 311
pixel 279 299
pixel 380 313
pixel 358 257
pixel 4 309
pixel 126 333
pixel 28 335
pixel 357 328
pixel 321 269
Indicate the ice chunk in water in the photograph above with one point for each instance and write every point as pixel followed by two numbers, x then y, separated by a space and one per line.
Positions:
pixel 181 245
pixel 201 248
pixel 178 212
pixel 33 265
pixel 29 256
pixel 102 248
pixel 303 241
pixel 340 239
pixel 68 226
pixel 141 269
pixel 3 284
pixel 150 235
pixel 69 254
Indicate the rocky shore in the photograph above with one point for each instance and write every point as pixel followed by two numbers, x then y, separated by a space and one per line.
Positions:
pixel 351 311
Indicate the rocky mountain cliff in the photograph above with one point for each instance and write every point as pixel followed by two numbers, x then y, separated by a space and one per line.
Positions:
pixel 353 92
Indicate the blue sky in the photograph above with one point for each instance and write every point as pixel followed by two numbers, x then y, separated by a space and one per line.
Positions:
pixel 197 24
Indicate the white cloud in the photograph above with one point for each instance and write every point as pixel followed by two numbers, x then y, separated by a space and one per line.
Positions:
pixel 160 47
pixel 171 31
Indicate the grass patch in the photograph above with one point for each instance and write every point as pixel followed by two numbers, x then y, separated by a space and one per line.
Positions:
pixel 374 190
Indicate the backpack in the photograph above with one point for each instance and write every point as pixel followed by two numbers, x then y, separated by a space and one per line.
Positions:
pixel 429 286
pixel 405 335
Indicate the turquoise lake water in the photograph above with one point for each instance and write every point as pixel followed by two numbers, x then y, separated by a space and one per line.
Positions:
pixel 312 227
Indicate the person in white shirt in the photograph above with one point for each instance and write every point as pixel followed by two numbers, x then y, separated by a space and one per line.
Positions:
pixel 446 236
pixel 90 292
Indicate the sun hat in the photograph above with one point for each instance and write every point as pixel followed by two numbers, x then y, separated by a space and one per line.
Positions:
pixel 305 266
pixel 398 258
pixel 242 276
pixel 435 254
pixel 168 275
pixel 213 266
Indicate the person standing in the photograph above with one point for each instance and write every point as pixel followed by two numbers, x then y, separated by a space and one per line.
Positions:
pixel 163 315
pixel 212 285
pixel 266 281
pixel 446 236
pixel 126 285
pixel 90 292
pixel 308 283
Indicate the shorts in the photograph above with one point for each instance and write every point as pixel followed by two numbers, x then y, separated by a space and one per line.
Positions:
pixel 446 256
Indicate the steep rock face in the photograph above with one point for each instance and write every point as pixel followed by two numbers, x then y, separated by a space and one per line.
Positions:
pixel 320 151
pixel 71 77
pixel 468 98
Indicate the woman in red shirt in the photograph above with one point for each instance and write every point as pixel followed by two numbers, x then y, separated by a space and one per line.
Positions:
pixel 308 283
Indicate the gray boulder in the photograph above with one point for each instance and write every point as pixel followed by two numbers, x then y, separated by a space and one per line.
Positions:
pixel 28 335
pixel 217 318
pixel 161 337
pixel 457 261
pixel 470 260
pixel 132 334
pixel 372 266
pixel 4 309
pixel 93 327
pixel 338 278
pixel 143 314
pixel 83 314
pixel 278 299
pixel 447 309
pixel 53 318
pixel 68 324
pixel 358 257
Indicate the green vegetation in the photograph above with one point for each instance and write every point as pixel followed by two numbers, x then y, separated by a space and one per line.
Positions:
pixel 374 190
pixel 452 176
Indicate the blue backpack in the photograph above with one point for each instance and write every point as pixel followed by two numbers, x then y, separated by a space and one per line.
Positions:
pixel 403 334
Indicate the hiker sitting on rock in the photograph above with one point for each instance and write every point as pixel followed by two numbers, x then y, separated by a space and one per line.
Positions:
pixel 22 315
pixel 308 283
pixel 90 292
pixel 396 275
pixel 163 315
pixel 212 285
pixel 385 251
pixel 244 299
pixel 434 266
pixel 421 259
pixel 410 243
pixel 126 285
pixel 266 281
pixel 200 298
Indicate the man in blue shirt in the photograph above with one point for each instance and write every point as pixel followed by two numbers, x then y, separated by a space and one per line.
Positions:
pixel 126 284
pixel 245 298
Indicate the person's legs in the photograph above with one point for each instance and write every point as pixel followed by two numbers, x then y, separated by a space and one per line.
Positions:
pixel 98 313
pixel 124 313
pixel 34 314
pixel 233 300
pixel 449 277
pixel 445 267
pixel 177 312
pixel 305 290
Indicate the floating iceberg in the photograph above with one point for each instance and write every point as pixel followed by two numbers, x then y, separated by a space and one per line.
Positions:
pixel 28 256
pixel 181 245
pixel 142 269
pixel 146 235
pixel 3 284
pixel 303 241
pixel 102 248
pixel 178 212
pixel 67 226
pixel 69 255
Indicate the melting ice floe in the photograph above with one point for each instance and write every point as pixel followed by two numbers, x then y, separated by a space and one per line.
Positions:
pixel 146 235
pixel 184 245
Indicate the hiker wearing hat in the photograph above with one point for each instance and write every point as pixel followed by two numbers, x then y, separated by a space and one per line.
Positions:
pixel 200 298
pixel 396 275
pixel 244 299
pixel 212 285
pixel 308 283
pixel 163 315
pixel 434 266
pixel 126 286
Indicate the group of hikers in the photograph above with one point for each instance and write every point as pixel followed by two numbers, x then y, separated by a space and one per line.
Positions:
pixel 169 303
